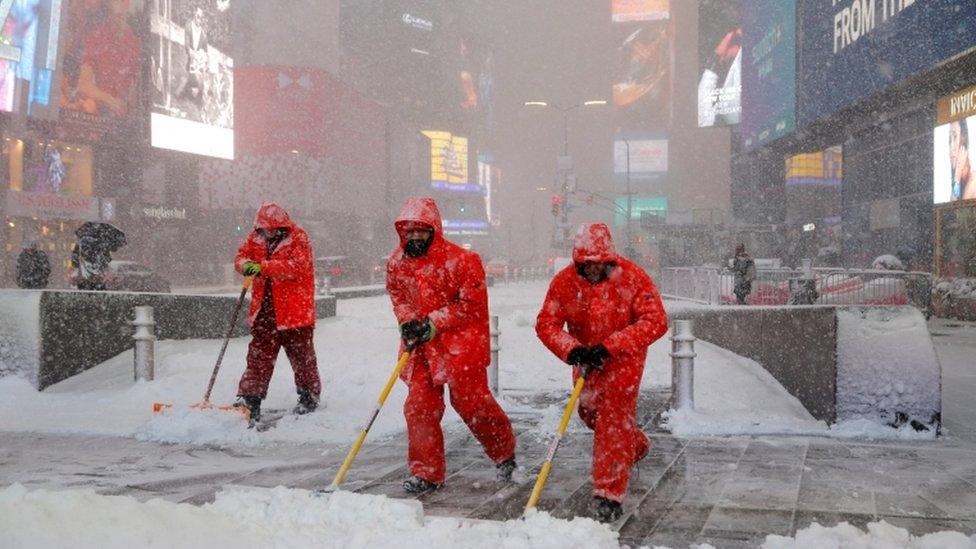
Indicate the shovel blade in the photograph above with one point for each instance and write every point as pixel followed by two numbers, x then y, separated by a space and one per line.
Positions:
pixel 160 406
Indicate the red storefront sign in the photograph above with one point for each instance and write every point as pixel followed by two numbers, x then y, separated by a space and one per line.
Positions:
pixel 52 206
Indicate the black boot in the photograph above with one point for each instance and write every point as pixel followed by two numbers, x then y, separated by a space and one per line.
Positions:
pixel 253 404
pixel 506 468
pixel 417 485
pixel 307 403
pixel 607 510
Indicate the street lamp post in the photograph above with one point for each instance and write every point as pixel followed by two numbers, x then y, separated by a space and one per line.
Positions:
pixel 628 251
pixel 565 110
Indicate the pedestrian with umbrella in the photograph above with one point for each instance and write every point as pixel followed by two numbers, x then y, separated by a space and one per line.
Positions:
pixel 91 255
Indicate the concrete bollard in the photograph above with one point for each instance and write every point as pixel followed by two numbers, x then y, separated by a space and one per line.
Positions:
pixel 682 366
pixel 144 355
pixel 493 367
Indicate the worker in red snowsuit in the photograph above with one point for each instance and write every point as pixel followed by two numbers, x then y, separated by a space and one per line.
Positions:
pixel 441 304
pixel 282 314
pixel 612 313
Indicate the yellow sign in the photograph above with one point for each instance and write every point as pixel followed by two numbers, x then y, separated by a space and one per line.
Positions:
pixel 448 159
pixel 819 168
pixel 624 11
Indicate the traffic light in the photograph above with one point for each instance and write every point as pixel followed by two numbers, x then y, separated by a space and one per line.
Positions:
pixel 556 201
pixel 589 199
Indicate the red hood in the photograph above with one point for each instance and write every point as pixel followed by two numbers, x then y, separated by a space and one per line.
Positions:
pixel 272 216
pixel 594 244
pixel 419 210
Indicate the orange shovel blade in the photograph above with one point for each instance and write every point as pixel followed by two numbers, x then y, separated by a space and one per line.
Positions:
pixel 159 407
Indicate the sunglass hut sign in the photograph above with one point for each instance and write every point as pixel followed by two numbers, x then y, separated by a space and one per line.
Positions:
pixel 160 212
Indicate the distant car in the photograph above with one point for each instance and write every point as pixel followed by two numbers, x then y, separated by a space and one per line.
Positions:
pixel 132 276
pixel 336 271
pixel 498 268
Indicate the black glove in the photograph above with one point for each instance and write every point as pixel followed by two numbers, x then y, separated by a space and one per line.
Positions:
pixel 596 356
pixel 411 330
pixel 577 356
pixel 414 331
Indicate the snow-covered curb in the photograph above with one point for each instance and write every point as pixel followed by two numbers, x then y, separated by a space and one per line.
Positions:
pixel 261 517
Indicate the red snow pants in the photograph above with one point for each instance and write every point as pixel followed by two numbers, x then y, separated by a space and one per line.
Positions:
pixel 608 406
pixel 262 353
pixel 472 400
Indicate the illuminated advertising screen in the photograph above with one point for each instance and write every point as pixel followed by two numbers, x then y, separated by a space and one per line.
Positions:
pixel 719 62
pixel 28 51
pixel 101 67
pixel 824 168
pixel 642 76
pixel 654 206
pixel 487 178
pixel 648 156
pixel 449 162
pixel 881 42
pixel 623 11
pixel 193 77
pixel 953 148
pixel 768 71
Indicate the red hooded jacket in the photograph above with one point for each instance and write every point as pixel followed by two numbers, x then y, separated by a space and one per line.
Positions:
pixel 289 268
pixel 624 311
pixel 448 286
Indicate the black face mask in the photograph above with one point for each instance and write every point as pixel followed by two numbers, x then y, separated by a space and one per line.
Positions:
pixel 417 248
pixel 604 273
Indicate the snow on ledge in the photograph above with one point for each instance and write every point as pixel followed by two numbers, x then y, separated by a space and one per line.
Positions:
pixel 270 517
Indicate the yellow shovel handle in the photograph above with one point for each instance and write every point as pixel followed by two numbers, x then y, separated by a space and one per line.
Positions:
pixel 540 481
pixel 376 411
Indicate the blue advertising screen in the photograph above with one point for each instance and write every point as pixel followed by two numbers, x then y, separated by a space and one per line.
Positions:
pixel 852 49
pixel 768 71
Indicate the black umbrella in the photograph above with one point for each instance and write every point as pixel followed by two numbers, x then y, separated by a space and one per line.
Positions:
pixel 102 235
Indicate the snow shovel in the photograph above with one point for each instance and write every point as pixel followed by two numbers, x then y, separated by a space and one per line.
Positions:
pixel 540 481
pixel 205 405
pixel 376 412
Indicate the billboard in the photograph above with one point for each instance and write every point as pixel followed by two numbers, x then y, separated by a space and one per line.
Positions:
pixel 642 76
pixel 768 71
pixel 719 62
pixel 101 67
pixel 823 168
pixel 193 77
pixel 880 41
pixel 648 156
pixel 953 148
pixel 449 162
pixel 29 37
pixel 623 11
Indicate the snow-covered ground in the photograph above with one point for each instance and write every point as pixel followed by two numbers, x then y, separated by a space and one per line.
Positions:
pixel 280 517
pixel 356 352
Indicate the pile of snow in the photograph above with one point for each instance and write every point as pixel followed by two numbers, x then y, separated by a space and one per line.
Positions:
pixel 878 534
pixel 886 364
pixel 736 396
pixel 199 426
pixel 888 263
pixel 277 517
pixel 956 288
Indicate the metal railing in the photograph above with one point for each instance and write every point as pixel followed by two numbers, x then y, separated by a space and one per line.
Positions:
pixel 521 274
pixel 779 286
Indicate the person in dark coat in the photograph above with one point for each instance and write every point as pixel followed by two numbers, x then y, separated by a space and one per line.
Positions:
pixel 33 268
pixel 744 270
